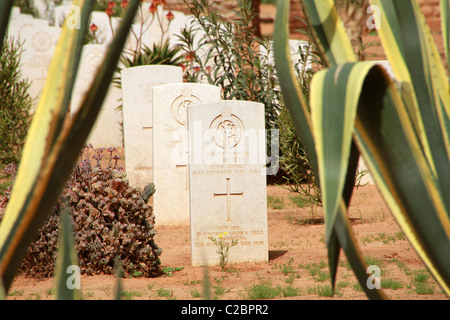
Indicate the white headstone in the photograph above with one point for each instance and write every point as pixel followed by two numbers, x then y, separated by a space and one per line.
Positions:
pixel 15 13
pixel 137 101
pixel 21 22
pixel 170 162
pixel 39 46
pixel 296 48
pixel 106 27
pixel 107 131
pixel 227 186
pixel 41 8
pixel 61 12
pixel 150 32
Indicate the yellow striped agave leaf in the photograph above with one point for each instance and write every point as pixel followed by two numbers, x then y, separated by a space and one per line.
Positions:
pixel 341 232
pixel 67 281
pixel 328 29
pixel 414 57
pixel 5 11
pixel 334 98
pixel 445 23
pixel 396 160
pixel 20 219
pixel 294 100
pixel 399 161
pixel 51 149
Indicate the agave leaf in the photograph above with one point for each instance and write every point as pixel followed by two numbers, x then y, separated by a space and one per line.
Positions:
pixel 119 276
pixel 206 290
pixel 334 99
pixel 445 27
pixel 334 45
pixel 393 153
pixel 20 222
pixel 341 233
pixel 67 262
pixel 5 12
pixel 2 290
pixel 416 62
pixel 49 166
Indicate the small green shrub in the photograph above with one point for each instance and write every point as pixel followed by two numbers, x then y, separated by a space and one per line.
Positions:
pixel 169 271
pixel 423 288
pixel 391 284
pixel 275 202
pixel 290 291
pixel 299 201
pixel 327 291
pixel 129 294
pixel 287 268
pixel 26 6
pixel 263 291
pixel 421 282
pixel 15 104
pixel 195 293
pixel 161 292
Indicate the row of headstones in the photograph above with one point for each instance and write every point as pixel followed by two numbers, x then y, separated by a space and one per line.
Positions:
pixel 242 214
pixel 210 176
pixel 206 157
pixel 39 42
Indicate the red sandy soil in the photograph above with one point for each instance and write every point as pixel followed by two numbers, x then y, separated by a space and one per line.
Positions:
pixel 294 241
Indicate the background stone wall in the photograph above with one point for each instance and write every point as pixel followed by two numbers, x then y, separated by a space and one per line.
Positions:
pixel 430 9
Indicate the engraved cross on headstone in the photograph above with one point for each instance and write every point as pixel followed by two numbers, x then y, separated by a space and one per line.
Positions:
pixel 228 194
pixel 187 170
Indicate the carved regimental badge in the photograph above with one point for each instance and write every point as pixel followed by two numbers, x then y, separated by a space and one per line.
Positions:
pixel 180 105
pixel 226 129
pixel 94 59
pixel 41 41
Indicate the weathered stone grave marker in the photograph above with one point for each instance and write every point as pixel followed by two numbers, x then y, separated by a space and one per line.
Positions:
pixel 106 27
pixel 228 199
pixel 39 43
pixel 137 102
pixel 297 48
pixel 170 162
pixel 107 130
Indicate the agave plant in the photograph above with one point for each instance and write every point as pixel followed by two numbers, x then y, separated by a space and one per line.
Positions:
pixel 53 146
pixel 401 128
pixel 156 55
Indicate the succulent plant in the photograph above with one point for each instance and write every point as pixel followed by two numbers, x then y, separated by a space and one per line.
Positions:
pixel 111 220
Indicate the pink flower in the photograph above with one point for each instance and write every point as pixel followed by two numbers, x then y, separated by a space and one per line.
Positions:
pixel 109 12
pixel 153 8
pixel 170 16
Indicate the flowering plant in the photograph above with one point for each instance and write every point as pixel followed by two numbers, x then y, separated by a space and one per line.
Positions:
pixel 223 246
